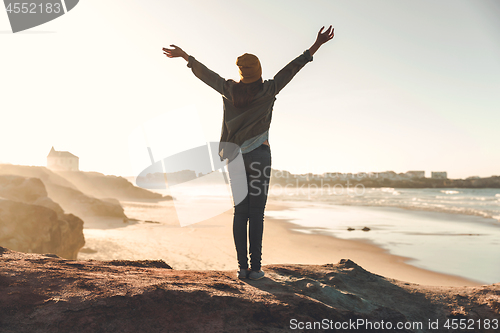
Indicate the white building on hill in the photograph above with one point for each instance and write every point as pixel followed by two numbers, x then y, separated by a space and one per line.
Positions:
pixel 62 161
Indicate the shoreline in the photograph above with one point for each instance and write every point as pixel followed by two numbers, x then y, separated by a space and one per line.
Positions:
pixel 371 257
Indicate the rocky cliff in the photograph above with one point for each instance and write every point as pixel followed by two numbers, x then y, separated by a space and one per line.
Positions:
pixel 43 293
pixel 65 193
pixel 31 222
pixel 33 228
pixel 105 186
pixel 78 203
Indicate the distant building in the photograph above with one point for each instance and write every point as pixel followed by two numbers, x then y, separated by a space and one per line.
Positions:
pixel 314 176
pixel 416 174
pixel 179 177
pixel 62 161
pixel 280 173
pixel 439 175
pixel 388 175
pixel 331 175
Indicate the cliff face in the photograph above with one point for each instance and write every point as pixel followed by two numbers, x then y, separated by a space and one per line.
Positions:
pixel 65 193
pixel 31 222
pixel 77 203
pixel 46 294
pixel 33 228
pixel 102 186
pixel 44 174
pixel 27 190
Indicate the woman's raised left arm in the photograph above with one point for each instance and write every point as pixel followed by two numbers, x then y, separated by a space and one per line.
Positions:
pixel 321 39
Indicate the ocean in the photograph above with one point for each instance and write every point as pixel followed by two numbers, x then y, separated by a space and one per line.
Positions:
pixel 452 231
pixel 478 202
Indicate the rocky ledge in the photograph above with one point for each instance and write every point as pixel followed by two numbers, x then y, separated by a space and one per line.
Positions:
pixel 44 293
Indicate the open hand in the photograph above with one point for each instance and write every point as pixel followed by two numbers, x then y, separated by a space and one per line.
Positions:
pixel 175 52
pixel 324 37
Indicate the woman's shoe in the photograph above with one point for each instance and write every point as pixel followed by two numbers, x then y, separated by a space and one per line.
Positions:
pixel 256 275
pixel 243 273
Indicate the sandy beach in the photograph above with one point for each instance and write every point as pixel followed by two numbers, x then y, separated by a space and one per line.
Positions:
pixel 209 245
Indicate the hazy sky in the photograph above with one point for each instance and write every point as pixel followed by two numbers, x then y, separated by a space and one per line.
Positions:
pixel 404 85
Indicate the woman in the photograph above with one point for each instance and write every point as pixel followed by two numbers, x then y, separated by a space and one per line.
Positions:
pixel 248 106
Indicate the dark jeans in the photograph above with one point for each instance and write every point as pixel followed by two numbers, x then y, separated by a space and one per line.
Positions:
pixel 251 210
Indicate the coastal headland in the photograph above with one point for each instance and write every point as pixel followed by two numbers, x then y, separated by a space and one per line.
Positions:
pixel 45 293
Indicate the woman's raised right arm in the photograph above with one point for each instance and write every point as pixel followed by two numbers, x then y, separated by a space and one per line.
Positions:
pixel 200 71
